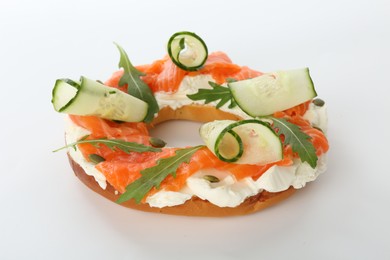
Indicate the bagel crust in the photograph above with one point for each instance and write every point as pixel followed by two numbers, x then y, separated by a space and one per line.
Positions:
pixel 194 206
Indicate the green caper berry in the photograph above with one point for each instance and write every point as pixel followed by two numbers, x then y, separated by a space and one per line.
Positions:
pixel 157 142
pixel 118 121
pixel 319 102
pixel 315 127
pixel 211 178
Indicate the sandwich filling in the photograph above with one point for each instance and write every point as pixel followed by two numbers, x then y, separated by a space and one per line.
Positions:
pixel 228 190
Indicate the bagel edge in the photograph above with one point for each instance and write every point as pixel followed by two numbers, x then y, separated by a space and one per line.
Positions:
pixel 194 206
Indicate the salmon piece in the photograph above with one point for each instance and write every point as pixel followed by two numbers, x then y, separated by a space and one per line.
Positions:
pixel 105 128
pixel 219 66
pixel 164 75
pixel 317 137
pixel 202 159
pixel 156 67
pixel 241 171
pixel 169 79
pixel 120 172
pixel 108 154
pixel 295 112
pixel 205 159
pixel 113 81
pixel 101 128
pixel 152 72
pixel 246 73
pixel 298 110
pixel 218 57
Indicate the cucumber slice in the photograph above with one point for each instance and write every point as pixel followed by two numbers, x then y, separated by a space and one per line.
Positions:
pixel 273 92
pixel 89 97
pixel 243 142
pixel 187 50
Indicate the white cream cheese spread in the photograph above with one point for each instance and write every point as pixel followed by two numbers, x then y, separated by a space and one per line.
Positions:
pixel 228 192
pixel 317 116
pixel 73 133
pixel 191 85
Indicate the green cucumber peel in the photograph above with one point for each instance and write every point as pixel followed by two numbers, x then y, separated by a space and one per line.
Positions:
pixel 187 51
pixel 248 141
pixel 88 97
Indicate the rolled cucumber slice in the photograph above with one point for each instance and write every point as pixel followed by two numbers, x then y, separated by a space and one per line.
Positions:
pixel 187 50
pixel 243 142
pixel 273 92
pixel 89 97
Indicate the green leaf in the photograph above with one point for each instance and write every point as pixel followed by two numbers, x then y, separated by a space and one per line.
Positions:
pixel 298 140
pixel 114 144
pixel 152 177
pixel 218 92
pixel 136 87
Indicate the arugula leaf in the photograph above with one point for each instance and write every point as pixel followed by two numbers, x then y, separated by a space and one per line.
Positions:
pixel 113 144
pixel 298 140
pixel 217 92
pixel 136 87
pixel 152 177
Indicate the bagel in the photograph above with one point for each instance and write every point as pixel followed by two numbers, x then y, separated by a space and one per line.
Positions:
pixel 229 177
pixel 195 206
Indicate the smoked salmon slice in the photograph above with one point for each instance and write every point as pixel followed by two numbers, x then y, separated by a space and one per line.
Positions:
pixel 164 75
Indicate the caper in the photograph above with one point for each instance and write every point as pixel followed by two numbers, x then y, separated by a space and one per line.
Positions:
pixel 315 127
pixel 157 142
pixel 318 102
pixel 95 158
pixel 118 121
pixel 211 178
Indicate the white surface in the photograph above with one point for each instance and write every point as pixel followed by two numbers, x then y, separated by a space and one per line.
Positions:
pixel 47 213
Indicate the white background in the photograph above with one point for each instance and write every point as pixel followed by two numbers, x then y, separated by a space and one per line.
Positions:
pixel 46 213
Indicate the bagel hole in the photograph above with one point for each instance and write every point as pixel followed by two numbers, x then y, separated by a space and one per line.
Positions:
pixel 178 133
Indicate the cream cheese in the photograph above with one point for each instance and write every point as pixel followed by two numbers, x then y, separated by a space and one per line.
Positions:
pixel 318 116
pixel 228 192
pixel 280 178
pixel 191 85
pixel 73 133
pixel 168 198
